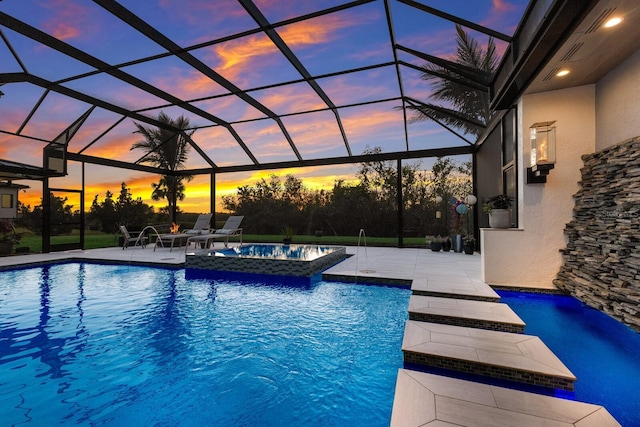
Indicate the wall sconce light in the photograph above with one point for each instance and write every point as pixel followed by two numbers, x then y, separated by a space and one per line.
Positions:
pixel 543 152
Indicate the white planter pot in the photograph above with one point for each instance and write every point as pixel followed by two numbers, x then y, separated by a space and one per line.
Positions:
pixel 500 218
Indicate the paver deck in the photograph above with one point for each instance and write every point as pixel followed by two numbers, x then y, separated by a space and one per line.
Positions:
pixel 461 287
pixel 503 355
pixel 423 399
pixel 474 314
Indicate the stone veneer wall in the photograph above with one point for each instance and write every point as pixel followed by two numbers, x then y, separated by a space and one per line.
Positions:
pixel 601 263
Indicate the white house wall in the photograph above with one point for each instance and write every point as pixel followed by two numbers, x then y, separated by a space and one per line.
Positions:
pixel 618 105
pixel 529 256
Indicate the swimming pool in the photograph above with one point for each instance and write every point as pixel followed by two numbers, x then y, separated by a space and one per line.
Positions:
pixel 603 353
pixel 125 345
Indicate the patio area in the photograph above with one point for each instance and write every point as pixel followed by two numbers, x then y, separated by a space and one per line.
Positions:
pixel 78 99
pixel 452 280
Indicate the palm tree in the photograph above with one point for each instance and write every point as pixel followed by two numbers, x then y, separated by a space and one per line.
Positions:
pixel 167 149
pixel 458 86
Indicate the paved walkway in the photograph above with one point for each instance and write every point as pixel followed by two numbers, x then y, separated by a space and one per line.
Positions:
pixel 425 399
pixel 502 355
pixel 431 400
pixel 419 398
pixel 491 315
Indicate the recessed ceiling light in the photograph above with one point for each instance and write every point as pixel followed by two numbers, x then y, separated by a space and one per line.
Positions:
pixel 613 22
pixel 562 73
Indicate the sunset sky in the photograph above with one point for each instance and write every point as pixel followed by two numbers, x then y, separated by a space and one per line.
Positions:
pixel 354 38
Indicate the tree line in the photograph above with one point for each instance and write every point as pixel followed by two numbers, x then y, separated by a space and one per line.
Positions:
pixel 272 204
pixel 103 215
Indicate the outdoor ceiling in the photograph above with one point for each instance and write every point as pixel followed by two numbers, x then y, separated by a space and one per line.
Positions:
pixel 265 84
pixel 592 50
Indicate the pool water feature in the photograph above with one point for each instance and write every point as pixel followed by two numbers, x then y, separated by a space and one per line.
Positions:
pixel 603 353
pixel 126 345
pixel 285 260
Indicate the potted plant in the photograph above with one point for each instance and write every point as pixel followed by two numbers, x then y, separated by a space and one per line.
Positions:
pixel 469 245
pixel 499 210
pixel 287 233
pixel 8 237
pixel 435 243
pixel 446 244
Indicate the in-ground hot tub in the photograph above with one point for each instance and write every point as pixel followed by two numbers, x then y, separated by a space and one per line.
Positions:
pixel 282 260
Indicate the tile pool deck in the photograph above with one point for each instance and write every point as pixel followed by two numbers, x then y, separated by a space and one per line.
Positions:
pixel 503 355
pixel 420 398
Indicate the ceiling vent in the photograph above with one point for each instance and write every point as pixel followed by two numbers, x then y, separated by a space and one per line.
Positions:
pixel 572 51
pixel 600 20
pixel 551 74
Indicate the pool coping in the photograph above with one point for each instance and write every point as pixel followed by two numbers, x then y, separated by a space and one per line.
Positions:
pixel 490 315
pixel 507 356
pixel 88 261
pixel 423 398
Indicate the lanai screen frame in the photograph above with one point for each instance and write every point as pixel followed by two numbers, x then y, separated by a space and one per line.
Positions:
pixel 497 87
pixel 265 27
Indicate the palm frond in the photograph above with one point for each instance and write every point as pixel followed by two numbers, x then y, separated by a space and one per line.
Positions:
pixel 451 117
pixel 468 107
pixel 166 147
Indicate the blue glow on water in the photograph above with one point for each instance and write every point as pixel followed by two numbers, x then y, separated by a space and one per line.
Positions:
pixel 114 345
pixel 603 353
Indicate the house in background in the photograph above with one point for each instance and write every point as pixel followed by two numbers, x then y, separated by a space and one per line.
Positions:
pixel 9 199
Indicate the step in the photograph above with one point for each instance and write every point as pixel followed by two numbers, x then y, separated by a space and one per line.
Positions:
pixel 502 355
pixel 425 399
pixel 494 316
pixel 461 289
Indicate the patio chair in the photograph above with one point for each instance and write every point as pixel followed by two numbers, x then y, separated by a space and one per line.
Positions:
pixel 231 228
pixel 132 237
pixel 171 240
pixel 202 225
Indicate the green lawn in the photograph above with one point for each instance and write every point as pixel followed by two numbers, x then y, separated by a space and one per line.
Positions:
pixel 92 240
pixel 95 240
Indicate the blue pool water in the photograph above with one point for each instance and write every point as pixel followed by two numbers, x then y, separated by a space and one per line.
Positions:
pixel 115 345
pixel 603 353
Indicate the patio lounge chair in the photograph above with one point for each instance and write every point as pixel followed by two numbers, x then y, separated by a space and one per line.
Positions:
pixel 132 237
pixel 201 227
pixel 231 228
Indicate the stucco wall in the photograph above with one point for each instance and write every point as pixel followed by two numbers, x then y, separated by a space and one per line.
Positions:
pixel 617 106
pixel 530 256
